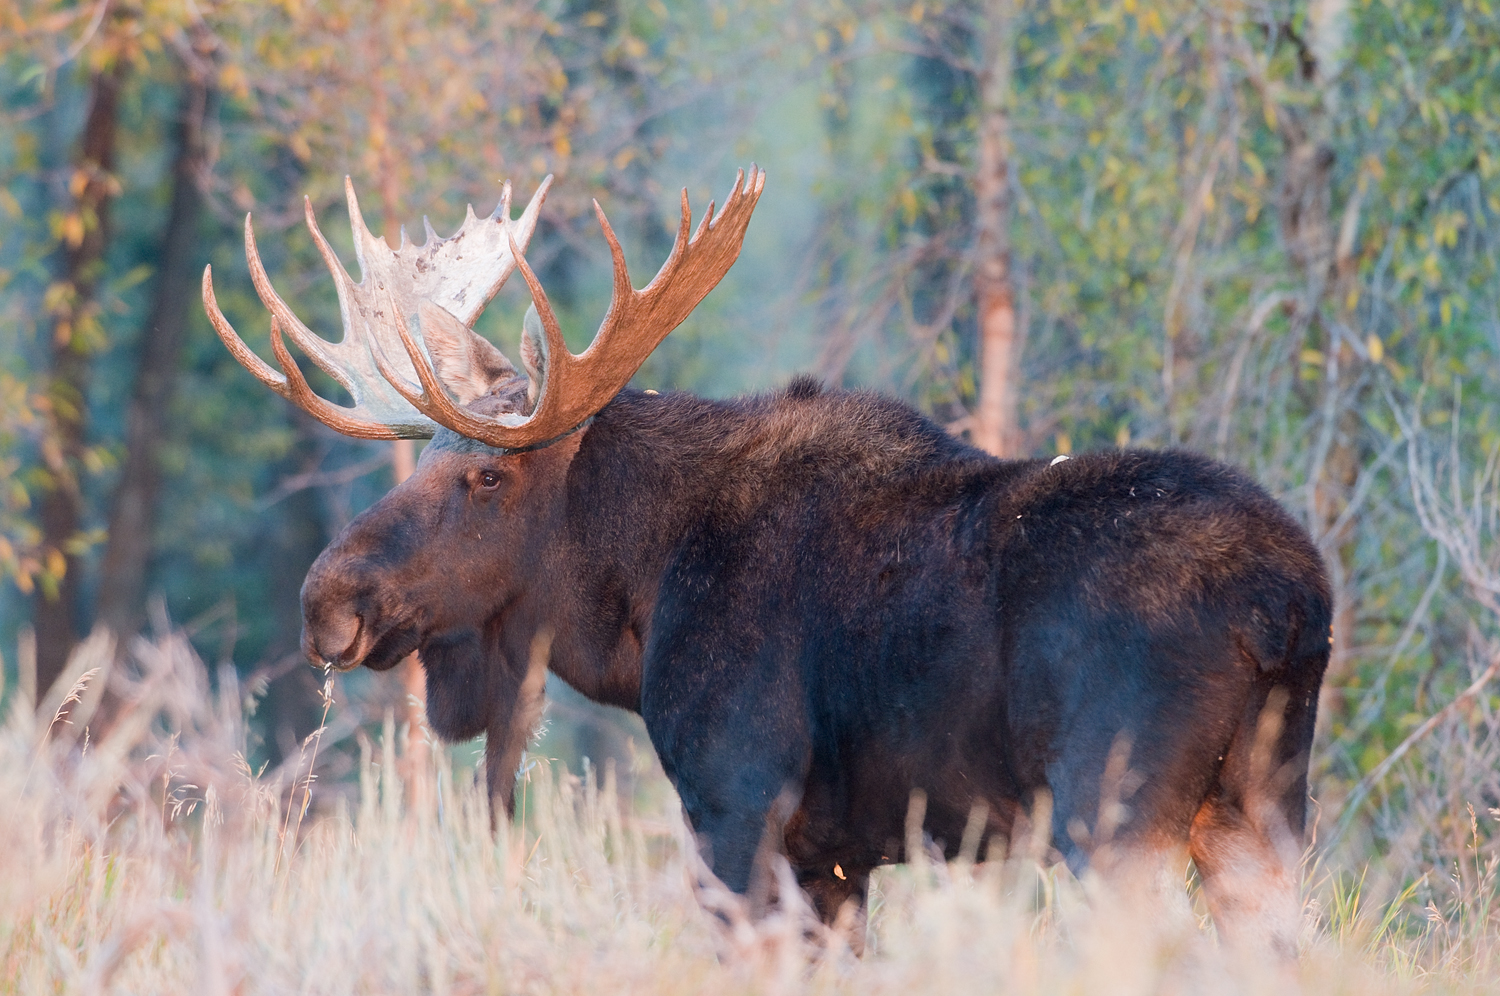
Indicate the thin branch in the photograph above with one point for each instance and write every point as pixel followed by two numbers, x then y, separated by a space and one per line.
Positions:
pixel 1368 783
pixel 322 478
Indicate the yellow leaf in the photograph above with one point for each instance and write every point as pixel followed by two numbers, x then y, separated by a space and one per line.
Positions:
pixel 78 183
pixel 918 11
pixel 1151 21
pixel 72 229
pixel 623 158
pixel 1064 443
pixel 1445 309
pixel 562 146
pixel 1376 348
pixel 57 565
pixel 1313 356
pixel 1130 6
pixel 1270 109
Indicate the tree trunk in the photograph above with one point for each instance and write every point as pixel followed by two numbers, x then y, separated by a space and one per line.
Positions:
pixel 1305 218
pixel 74 339
pixel 132 524
pixel 996 420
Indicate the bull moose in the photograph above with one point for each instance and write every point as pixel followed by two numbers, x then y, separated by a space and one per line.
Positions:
pixel 820 601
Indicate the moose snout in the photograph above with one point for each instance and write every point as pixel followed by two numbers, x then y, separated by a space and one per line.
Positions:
pixel 333 628
pixel 332 639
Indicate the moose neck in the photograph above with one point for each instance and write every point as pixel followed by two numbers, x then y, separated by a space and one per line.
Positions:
pixel 633 489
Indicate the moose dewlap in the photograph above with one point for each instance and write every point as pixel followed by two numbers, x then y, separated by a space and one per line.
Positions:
pixel 819 601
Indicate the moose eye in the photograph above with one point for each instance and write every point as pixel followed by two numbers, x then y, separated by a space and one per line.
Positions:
pixel 489 479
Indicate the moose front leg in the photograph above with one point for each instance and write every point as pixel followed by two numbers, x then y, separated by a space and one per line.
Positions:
pixel 740 836
pixel 743 850
pixel 509 732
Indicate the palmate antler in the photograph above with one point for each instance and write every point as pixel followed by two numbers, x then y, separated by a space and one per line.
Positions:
pixel 459 275
pixel 443 285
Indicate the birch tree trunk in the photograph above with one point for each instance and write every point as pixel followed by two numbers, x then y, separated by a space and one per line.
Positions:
pixel 1325 259
pixel 996 426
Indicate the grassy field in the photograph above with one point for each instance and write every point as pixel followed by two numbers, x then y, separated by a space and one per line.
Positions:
pixel 152 860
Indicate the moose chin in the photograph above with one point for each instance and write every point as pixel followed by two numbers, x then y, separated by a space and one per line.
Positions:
pixel 819 601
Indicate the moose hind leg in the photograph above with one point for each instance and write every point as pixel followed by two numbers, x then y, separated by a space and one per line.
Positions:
pixel 842 903
pixel 1247 837
pixel 1250 885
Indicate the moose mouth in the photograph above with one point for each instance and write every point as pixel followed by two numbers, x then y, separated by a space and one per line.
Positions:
pixel 378 653
pixel 394 646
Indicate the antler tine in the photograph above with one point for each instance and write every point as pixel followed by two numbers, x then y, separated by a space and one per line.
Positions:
pixel 290 384
pixel 556 358
pixel 692 269
pixel 236 346
pixel 316 347
pixel 342 282
pixel 301 394
pixel 622 285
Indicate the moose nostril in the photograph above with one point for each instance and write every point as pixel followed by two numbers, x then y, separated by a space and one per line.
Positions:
pixel 335 638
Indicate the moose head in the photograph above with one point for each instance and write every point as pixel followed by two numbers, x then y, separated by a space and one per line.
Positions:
pixel 457 562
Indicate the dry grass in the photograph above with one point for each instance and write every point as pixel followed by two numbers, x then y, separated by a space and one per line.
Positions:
pixel 152 860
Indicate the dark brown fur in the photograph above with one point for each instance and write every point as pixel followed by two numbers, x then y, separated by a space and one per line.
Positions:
pixel 822 597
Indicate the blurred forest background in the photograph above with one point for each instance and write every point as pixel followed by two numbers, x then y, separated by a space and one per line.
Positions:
pixel 1263 230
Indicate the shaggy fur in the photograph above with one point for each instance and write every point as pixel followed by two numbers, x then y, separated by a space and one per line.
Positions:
pixel 822 598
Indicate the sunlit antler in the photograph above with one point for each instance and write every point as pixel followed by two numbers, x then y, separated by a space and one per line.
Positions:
pixel 405 386
pixel 457 275
pixel 572 388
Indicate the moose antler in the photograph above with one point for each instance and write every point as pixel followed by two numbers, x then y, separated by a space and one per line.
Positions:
pixel 457 275
pixel 445 297
pixel 572 388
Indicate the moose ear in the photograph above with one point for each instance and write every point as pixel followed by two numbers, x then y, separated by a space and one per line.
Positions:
pixel 533 354
pixel 466 364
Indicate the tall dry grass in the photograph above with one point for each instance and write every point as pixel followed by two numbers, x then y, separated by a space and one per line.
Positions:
pixel 150 859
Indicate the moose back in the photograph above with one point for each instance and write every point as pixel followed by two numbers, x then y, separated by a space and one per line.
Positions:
pixel 819 601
